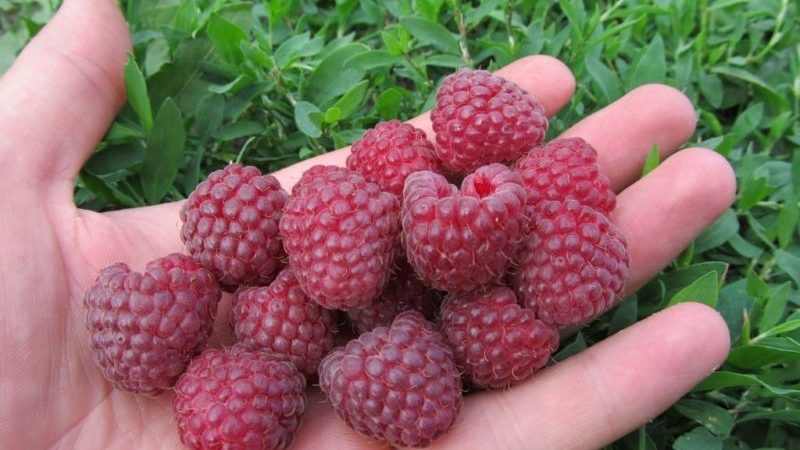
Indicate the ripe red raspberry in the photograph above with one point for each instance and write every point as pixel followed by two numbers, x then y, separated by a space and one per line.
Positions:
pixel 574 262
pixel 404 292
pixel 281 319
pixel 397 384
pixel 481 119
pixel 231 225
pixel 495 342
pixel 239 399
pixel 340 232
pixel 146 327
pixel 457 241
pixel 566 168
pixel 390 152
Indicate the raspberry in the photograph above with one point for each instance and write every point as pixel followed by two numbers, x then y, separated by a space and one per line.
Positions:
pixel 566 168
pixel 404 292
pixel 340 232
pixel 281 319
pixel 495 342
pixel 390 152
pixel 574 262
pixel 480 119
pixel 239 399
pixel 146 327
pixel 457 241
pixel 397 384
pixel 231 225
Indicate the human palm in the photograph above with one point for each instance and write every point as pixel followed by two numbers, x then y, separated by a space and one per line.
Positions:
pixel 55 105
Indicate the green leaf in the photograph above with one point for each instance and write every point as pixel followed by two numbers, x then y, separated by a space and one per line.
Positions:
pixel 388 103
pixel 748 77
pixel 787 219
pixel 789 415
pixel 431 33
pixel 724 379
pixel 208 117
pixel 226 37
pixel 698 439
pixel 652 161
pixel 775 308
pixel 785 327
pixel 373 60
pixel 625 315
pixel 718 233
pixel 308 117
pixel 137 93
pixel 717 420
pixel 238 130
pixel 764 353
pixel 676 280
pixel 651 66
pixel 156 56
pixel 711 88
pixel 789 263
pixel 573 348
pixel 704 290
pixel 164 152
pixel 296 47
pixel 333 77
pixel 604 78
pixel 451 61
pixel 349 102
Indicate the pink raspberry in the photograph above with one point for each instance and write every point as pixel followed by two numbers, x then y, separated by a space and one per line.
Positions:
pixel 239 399
pixel 397 384
pixel 146 327
pixel 566 168
pixel 341 234
pixel 496 343
pixel 457 241
pixel 573 264
pixel 231 225
pixel 281 319
pixel 481 119
pixel 404 292
pixel 390 152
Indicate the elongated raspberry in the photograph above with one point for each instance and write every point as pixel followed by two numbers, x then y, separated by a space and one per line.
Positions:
pixel 404 292
pixel 341 234
pixel 397 384
pixel 281 319
pixel 146 327
pixel 239 399
pixel 495 342
pixel 574 262
pixel 457 241
pixel 230 225
pixel 562 169
pixel 480 119
pixel 390 152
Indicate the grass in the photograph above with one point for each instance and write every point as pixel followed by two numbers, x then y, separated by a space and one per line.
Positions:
pixel 271 83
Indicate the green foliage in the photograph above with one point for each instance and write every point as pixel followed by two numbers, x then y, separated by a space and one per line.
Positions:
pixel 279 81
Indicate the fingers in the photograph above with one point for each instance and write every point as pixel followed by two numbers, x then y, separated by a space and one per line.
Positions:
pixel 58 99
pixel 624 132
pixel 603 393
pixel 543 76
pixel 666 210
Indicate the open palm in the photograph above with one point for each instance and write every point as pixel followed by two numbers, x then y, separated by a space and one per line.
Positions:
pixel 55 105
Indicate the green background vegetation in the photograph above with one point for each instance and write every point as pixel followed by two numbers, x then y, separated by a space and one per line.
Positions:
pixel 270 83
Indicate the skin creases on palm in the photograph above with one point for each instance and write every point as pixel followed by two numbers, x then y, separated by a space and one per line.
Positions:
pixel 54 396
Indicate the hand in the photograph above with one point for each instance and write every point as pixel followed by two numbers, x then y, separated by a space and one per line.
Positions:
pixel 55 105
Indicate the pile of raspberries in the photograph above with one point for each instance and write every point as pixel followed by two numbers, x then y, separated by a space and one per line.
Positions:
pixel 446 289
